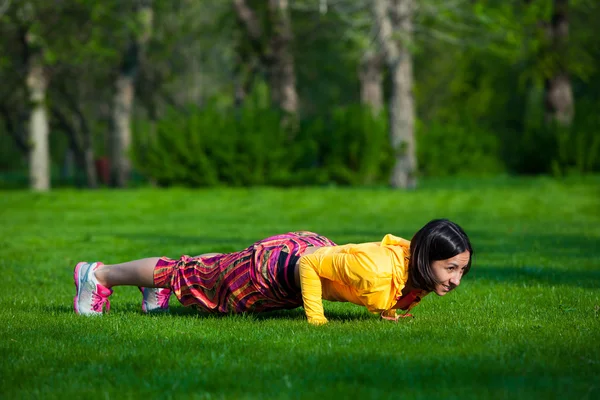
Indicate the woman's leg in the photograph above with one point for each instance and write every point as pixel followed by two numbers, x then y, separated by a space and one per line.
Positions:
pixel 133 273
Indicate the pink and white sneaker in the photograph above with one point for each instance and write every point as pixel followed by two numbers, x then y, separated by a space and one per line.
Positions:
pixel 156 300
pixel 91 297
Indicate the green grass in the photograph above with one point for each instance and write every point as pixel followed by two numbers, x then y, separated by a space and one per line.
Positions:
pixel 525 323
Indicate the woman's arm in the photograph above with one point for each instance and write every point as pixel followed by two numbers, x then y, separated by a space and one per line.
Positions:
pixel 352 268
pixel 312 291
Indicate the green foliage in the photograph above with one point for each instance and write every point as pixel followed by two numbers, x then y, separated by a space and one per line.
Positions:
pixel 522 325
pixel 453 148
pixel 578 148
pixel 492 76
pixel 353 145
pixel 483 95
pixel 251 145
pixel 328 52
pixel 10 156
pixel 209 146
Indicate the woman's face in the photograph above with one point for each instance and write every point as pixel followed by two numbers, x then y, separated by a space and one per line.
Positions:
pixel 449 272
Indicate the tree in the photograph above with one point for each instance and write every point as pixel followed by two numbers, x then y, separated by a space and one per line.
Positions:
pixel 77 56
pixel 120 140
pixel 559 103
pixel 371 79
pixel 70 114
pixel 273 47
pixel 393 19
pixel 37 83
pixel 21 20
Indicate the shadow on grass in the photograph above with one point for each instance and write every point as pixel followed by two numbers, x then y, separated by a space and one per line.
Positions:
pixel 292 314
pixel 188 312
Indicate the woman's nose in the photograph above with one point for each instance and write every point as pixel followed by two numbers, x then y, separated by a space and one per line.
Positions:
pixel 455 280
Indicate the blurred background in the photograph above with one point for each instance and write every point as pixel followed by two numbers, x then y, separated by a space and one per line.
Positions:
pixel 295 92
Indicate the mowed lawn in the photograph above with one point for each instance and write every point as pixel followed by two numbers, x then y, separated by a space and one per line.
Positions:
pixel 524 324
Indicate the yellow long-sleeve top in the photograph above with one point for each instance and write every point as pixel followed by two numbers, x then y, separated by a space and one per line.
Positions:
pixel 369 274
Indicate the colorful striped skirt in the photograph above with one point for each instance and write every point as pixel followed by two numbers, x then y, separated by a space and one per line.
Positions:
pixel 259 278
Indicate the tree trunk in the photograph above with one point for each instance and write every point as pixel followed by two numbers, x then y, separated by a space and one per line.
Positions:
pixel 282 73
pixel 39 155
pixel 559 94
pixel 244 73
pixel 249 20
pixel 89 165
pixel 399 61
pixel 120 142
pixel 371 77
pixel 74 153
pixel 274 52
pixel 402 123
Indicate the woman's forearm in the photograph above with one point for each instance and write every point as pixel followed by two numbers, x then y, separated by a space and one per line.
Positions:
pixel 312 292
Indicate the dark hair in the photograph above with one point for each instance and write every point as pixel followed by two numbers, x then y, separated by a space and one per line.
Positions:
pixel 440 239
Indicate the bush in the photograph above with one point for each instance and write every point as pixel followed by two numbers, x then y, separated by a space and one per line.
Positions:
pixel 542 148
pixel 208 146
pixel 353 145
pixel 253 146
pixel 578 148
pixel 457 149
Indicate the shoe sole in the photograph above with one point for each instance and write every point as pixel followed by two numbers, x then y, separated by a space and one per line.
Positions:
pixel 76 279
pixel 144 310
pixel 154 311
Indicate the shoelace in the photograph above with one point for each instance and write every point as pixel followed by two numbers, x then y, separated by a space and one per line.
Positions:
pixel 98 302
pixel 162 297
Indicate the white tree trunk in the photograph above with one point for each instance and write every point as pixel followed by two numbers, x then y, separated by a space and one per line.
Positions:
pixel 402 124
pixel 121 137
pixel 394 18
pixel 39 155
pixel 120 142
pixel 560 106
pixel 371 78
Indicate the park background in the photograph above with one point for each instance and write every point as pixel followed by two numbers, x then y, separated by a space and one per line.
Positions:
pixel 302 92
pixel 143 128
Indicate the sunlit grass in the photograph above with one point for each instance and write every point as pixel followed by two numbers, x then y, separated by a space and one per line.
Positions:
pixel 525 323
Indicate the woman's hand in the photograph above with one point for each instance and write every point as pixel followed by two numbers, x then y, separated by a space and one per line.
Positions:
pixel 394 317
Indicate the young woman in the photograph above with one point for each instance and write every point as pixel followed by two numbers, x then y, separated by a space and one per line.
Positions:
pixel 292 270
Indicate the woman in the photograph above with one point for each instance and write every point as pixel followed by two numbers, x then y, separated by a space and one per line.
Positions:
pixel 292 270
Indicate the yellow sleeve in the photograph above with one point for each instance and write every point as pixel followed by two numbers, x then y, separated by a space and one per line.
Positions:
pixel 353 268
pixel 312 292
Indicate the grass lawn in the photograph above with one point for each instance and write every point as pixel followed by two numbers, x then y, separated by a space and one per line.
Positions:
pixel 524 324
